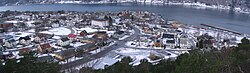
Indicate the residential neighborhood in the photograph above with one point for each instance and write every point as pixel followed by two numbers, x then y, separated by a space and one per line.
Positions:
pixel 76 38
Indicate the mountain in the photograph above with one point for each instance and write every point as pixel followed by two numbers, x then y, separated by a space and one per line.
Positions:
pixel 242 4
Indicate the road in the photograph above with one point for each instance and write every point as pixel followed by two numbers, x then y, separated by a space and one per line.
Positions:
pixel 120 43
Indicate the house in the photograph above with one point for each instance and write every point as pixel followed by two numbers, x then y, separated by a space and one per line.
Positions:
pixel 148 30
pixel 205 41
pixel 71 23
pixel 146 17
pixel 25 40
pixel 86 48
pixel 47 58
pixel 2 30
pixel 168 39
pixel 10 43
pixel 87 40
pixel 83 33
pixel 117 20
pixel 119 34
pixel 162 22
pixel 99 22
pixel 37 39
pixel 183 41
pixel 126 16
pixel 24 50
pixel 170 43
pixel 101 38
pixel 101 35
pixel 176 24
pixel 141 22
pixel 168 36
pixel 72 37
pixel 8 56
pixel 41 36
pixel 64 42
pixel 65 54
pixel 157 44
pixel 43 48
pixel 55 25
pixel 6 26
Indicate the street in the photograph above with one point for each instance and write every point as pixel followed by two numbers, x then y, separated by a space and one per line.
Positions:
pixel 120 44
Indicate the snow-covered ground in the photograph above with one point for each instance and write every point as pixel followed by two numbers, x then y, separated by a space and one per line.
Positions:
pixel 23 34
pixel 213 33
pixel 124 37
pixel 135 54
pixel 116 55
pixel 56 37
pixel 87 29
pixel 95 51
pixel 136 44
pixel 58 31
pixel 104 61
pixel 77 44
pixel 144 45
pixel 99 63
pixel 75 30
pixel 31 31
pixel 70 60
pixel 13 21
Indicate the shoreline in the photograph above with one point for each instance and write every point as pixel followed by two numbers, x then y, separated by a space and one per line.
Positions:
pixel 194 5
pixel 197 5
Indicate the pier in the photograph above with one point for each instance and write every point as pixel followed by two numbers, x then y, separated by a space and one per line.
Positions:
pixel 220 28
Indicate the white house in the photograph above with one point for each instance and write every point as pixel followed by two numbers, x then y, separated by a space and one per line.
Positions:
pixel 63 42
pixel 25 40
pixel 10 43
pixel 37 39
pixel 55 25
pixel 99 22
pixel 184 43
pixel 168 40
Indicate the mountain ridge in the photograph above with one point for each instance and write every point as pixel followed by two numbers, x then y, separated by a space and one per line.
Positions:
pixel 243 5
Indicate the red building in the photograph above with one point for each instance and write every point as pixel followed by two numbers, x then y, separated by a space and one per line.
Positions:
pixel 72 36
pixel 6 25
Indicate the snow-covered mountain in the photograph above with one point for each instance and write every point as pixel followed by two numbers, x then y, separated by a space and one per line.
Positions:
pixel 233 4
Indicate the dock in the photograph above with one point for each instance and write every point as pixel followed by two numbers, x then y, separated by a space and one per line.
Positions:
pixel 220 28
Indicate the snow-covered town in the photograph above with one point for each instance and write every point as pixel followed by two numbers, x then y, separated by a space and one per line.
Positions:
pixel 97 39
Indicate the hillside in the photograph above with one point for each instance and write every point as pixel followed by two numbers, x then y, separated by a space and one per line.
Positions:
pixel 237 5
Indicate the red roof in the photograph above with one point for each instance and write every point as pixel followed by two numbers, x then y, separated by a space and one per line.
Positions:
pixel 24 49
pixel 72 36
pixel 45 46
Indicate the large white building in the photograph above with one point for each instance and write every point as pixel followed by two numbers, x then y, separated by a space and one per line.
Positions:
pixel 99 22
pixel 168 40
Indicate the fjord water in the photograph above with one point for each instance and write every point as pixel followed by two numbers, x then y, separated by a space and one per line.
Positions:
pixel 189 15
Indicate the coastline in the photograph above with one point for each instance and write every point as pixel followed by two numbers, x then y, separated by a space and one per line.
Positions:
pixel 197 5
pixel 194 5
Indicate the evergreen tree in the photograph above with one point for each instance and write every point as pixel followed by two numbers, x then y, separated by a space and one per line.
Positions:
pixel 144 67
pixel 28 64
pixel 229 60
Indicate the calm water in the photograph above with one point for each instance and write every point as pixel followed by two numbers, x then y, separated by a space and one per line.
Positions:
pixel 188 15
